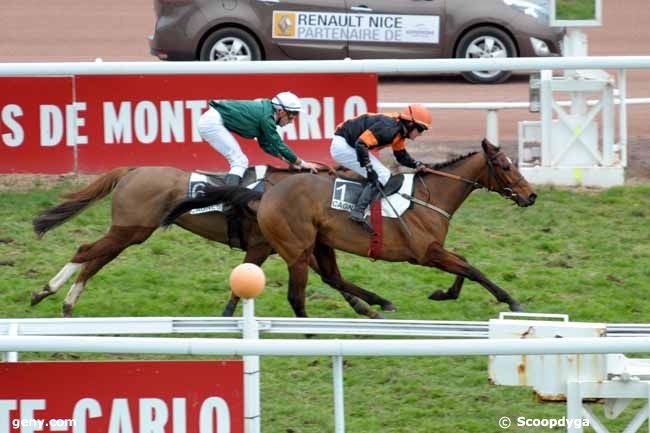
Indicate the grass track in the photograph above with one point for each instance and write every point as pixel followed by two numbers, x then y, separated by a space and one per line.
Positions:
pixel 582 253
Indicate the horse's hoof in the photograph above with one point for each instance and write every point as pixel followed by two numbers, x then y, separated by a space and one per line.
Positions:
pixel 389 307
pixel 377 316
pixel 36 298
pixel 517 307
pixel 39 296
pixel 67 311
pixel 439 295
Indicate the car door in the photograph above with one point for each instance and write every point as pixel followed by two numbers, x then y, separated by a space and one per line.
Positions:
pixel 396 28
pixel 305 29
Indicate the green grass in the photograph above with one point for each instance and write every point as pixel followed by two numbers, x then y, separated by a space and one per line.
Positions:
pixel 576 9
pixel 586 254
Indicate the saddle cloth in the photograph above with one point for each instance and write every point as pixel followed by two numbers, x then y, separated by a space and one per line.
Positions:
pixel 346 194
pixel 253 179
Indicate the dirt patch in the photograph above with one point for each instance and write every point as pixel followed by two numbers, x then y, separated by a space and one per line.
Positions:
pixel 29 182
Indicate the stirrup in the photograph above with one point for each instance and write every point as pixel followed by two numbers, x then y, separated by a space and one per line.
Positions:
pixel 232 180
pixel 363 221
pixel 357 215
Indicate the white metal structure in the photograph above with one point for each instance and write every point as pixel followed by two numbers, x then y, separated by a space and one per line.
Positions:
pixel 574 377
pixel 383 66
pixel 529 136
pixel 45 335
pixel 572 147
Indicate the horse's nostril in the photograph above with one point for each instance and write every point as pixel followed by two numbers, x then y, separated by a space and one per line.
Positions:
pixel 532 198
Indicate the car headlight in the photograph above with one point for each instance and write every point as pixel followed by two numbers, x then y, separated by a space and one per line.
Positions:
pixel 540 47
pixel 537 9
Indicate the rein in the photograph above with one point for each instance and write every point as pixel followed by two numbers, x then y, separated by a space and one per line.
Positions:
pixel 454 177
pixel 506 191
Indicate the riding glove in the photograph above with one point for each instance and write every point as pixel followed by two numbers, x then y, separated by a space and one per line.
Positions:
pixel 371 174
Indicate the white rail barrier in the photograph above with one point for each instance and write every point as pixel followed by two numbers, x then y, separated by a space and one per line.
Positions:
pixel 492 108
pixel 334 347
pixel 380 66
pixel 251 347
pixel 268 325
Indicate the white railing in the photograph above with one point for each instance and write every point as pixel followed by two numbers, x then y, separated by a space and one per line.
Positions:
pixel 492 111
pixel 268 325
pixel 250 347
pixel 380 66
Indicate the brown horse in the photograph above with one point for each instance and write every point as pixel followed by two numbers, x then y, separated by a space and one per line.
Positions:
pixel 141 197
pixel 308 226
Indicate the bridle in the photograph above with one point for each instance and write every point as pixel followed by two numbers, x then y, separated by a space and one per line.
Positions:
pixel 501 188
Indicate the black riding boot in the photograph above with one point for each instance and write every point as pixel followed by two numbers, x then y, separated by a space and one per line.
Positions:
pixel 232 180
pixel 234 224
pixel 368 195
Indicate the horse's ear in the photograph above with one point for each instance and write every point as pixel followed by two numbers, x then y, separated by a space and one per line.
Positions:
pixel 488 147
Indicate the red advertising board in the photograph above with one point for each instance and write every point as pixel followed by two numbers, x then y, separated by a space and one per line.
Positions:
pixel 32 136
pixel 91 124
pixel 122 397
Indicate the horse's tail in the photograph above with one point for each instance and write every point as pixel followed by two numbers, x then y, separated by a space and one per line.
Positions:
pixel 237 197
pixel 78 201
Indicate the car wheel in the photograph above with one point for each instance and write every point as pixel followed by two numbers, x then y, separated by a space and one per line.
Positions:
pixel 486 42
pixel 230 45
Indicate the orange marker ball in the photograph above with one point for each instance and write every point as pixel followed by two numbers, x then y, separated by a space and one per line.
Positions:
pixel 247 280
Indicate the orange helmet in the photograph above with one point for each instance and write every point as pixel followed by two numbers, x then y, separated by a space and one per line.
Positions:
pixel 418 114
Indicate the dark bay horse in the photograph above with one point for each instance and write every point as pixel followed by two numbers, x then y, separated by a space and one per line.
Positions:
pixel 141 196
pixel 308 226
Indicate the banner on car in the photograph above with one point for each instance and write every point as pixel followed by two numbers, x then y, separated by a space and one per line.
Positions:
pixel 333 26
pixel 91 124
pixel 120 397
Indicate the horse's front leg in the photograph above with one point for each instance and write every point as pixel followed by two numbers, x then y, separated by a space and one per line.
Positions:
pixel 450 294
pixel 440 258
pixel 454 291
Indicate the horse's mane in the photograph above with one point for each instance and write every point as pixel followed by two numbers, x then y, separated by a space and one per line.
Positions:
pixel 452 162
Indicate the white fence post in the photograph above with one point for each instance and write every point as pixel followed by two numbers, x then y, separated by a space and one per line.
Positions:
pixel 492 127
pixel 12 331
pixel 339 406
pixel 252 409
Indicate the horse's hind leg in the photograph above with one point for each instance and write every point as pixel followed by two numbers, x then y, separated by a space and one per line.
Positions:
pixel 96 255
pixel 331 275
pixel 90 269
pixel 298 275
pixel 56 283
pixel 257 256
pixel 442 259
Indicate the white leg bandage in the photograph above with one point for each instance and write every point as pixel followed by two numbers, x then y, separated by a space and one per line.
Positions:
pixel 212 130
pixel 63 276
pixel 73 294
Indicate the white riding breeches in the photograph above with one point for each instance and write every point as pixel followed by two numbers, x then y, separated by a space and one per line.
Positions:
pixel 346 155
pixel 212 130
